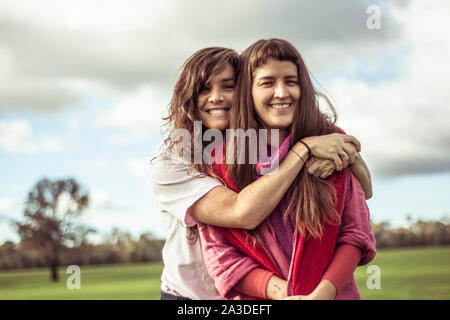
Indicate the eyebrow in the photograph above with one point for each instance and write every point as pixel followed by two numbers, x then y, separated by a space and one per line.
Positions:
pixel 221 81
pixel 271 77
pixel 228 79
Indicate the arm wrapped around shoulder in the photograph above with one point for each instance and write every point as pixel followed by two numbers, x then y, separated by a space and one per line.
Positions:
pixel 355 228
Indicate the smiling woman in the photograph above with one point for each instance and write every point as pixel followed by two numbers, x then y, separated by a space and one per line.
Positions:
pixel 276 91
pixel 320 231
pixel 187 195
pixel 215 99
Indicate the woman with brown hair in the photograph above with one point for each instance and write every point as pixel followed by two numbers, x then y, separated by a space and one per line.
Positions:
pixel 187 195
pixel 320 232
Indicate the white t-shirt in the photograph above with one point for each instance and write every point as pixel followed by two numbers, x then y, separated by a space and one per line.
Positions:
pixel 175 190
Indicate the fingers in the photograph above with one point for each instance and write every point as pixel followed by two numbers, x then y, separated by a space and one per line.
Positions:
pixel 326 174
pixel 299 297
pixel 322 168
pixel 337 160
pixel 351 151
pixel 332 145
pixel 354 141
pixel 310 161
pixel 314 168
pixel 327 169
pixel 344 157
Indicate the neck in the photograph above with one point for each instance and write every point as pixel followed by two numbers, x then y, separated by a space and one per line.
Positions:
pixel 282 134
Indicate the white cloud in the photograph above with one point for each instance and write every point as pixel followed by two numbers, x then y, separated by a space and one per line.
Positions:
pixel 16 136
pixel 101 202
pixel 136 114
pixel 140 168
pixel 54 52
pixel 403 121
pixel 138 108
pixel 6 204
pixel 125 46
pixel 98 199
pixel 101 165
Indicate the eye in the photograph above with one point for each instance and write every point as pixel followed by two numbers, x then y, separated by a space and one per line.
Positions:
pixel 292 82
pixel 266 83
pixel 229 86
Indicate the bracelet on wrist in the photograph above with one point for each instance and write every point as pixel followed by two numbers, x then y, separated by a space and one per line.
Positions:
pixel 307 147
pixel 299 156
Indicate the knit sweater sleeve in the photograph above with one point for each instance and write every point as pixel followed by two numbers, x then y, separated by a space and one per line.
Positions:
pixel 345 260
pixel 224 263
pixel 355 228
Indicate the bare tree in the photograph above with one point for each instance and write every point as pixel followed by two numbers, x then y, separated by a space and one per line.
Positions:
pixel 51 210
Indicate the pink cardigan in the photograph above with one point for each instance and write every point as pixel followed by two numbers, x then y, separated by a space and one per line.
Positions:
pixel 227 266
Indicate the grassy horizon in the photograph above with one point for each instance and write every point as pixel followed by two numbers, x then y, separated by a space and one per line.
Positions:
pixel 406 273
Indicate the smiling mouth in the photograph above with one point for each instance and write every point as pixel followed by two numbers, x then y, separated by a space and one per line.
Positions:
pixel 217 112
pixel 280 106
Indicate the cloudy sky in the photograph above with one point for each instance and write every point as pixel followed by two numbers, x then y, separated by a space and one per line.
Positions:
pixel 84 84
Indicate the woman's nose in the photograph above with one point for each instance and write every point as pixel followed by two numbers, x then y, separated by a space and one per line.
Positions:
pixel 281 91
pixel 215 96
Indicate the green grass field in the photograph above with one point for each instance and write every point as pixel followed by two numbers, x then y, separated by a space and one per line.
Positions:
pixel 416 273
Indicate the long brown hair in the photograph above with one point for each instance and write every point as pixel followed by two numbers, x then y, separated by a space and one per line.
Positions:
pixel 182 111
pixel 313 199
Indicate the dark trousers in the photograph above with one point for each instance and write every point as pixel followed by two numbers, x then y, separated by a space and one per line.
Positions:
pixel 168 296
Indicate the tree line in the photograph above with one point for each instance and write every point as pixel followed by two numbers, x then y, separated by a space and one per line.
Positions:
pixel 116 247
pixel 52 236
pixel 418 233
pixel 120 247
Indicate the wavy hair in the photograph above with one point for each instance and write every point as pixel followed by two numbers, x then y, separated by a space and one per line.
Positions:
pixel 182 110
pixel 195 73
pixel 312 199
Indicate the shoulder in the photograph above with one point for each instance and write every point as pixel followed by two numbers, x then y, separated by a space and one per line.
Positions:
pixel 339 130
pixel 174 171
pixel 167 168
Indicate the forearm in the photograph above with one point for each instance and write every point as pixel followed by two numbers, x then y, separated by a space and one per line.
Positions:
pixel 345 260
pixel 276 288
pixel 223 207
pixel 362 173
pixel 259 199
pixel 325 290
pixel 261 283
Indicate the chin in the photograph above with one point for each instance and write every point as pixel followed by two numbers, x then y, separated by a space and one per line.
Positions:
pixel 282 125
pixel 220 126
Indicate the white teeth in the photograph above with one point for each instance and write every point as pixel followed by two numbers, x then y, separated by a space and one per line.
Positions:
pixel 217 112
pixel 280 106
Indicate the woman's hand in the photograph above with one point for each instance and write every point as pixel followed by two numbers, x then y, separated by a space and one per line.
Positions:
pixel 325 290
pixel 276 288
pixel 340 148
pixel 322 168
pixel 296 298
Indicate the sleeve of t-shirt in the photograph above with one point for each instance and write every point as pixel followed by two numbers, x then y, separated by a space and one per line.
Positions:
pixel 177 187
